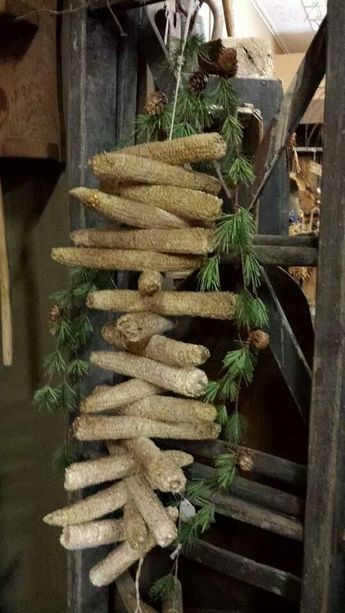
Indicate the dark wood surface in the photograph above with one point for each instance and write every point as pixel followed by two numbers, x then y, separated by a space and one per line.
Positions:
pixel 252 491
pixel 247 570
pixel 261 463
pixel 324 567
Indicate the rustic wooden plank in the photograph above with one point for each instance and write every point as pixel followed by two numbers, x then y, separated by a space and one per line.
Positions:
pixel 254 573
pixel 251 491
pixel 299 240
pixel 281 255
pixel 294 105
pixel 324 563
pixel 90 70
pixel 252 514
pixel 255 461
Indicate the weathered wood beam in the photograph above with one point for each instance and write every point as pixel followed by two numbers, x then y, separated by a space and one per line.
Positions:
pixel 324 562
pixel 281 255
pixel 250 513
pixel 254 461
pixel 255 492
pixel 277 240
pixel 239 567
pixel 294 105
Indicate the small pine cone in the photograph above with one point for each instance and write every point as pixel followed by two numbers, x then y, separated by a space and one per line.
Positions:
pixel 259 339
pixel 54 315
pixel 198 81
pixel 156 103
pixel 227 63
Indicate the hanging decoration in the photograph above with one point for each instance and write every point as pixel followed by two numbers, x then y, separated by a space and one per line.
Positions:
pixel 174 221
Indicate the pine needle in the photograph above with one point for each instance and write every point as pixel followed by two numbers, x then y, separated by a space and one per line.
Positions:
pixel 236 428
pixel 190 531
pixel 163 588
pixel 209 276
pixel 251 271
pixel 48 398
pixel 66 454
pixel 250 312
pixel 240 364
pixel 241 171
pixel 235 232
pixel 197 492
pixel 232 131
pixel 54 363
pixel 212 391
pixel 225 470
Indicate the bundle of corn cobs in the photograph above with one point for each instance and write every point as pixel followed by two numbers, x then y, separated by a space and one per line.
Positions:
pixel 172 210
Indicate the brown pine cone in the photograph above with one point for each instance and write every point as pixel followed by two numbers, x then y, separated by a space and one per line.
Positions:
pixel 197 82
pixel 156 103
pixel 218 60
pixel 259 339
pixel 54 315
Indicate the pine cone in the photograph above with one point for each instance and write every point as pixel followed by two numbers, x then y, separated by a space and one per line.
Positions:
pixel 54 315
pixel 259 339
pixel 197 82
pixel 156 103
pixel 217 60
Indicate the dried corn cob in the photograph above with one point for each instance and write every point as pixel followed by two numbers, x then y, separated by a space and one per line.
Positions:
pixel 122 558
pixel 91 472
pixel 170 409
pixel 105 397
pixel 152 510
pixel 162 349
pixel 89 508
pixel 162 472
pixel 190 204
pixel 127 211
pixel 124 167
pixel 121 259
pixel 126 588
pixel 194 241
pixel 181 458
pixel 215 305
pixel 134 330
pixel 134 526
pixel 97 428
pixel 187 150
pixel 150 282
pixel 185 381
pixel 93 534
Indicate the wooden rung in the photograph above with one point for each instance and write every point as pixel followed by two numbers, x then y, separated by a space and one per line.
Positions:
pixel 234 565
pixel 257 462
pixel 258 493
pixel 298 240
pixel 263 518
pixel 276 255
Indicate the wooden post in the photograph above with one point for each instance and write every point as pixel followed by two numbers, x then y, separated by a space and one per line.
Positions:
pixel 6 316
pixel 324 562
pixel 95 61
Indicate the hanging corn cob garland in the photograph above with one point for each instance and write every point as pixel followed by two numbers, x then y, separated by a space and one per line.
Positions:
pixel 126 416
pixel 170 216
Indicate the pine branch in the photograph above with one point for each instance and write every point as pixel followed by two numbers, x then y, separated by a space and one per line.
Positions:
pixel 225 470
pixel 235 232
pixel 68 398
pixel 78 368
pixel 236 428
pixel 54 363
pixel 209 276
pixel 250 312
pixel 190 531
pixel 163 588
pixel 241 171
pixel 48 398
pixel 240 364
